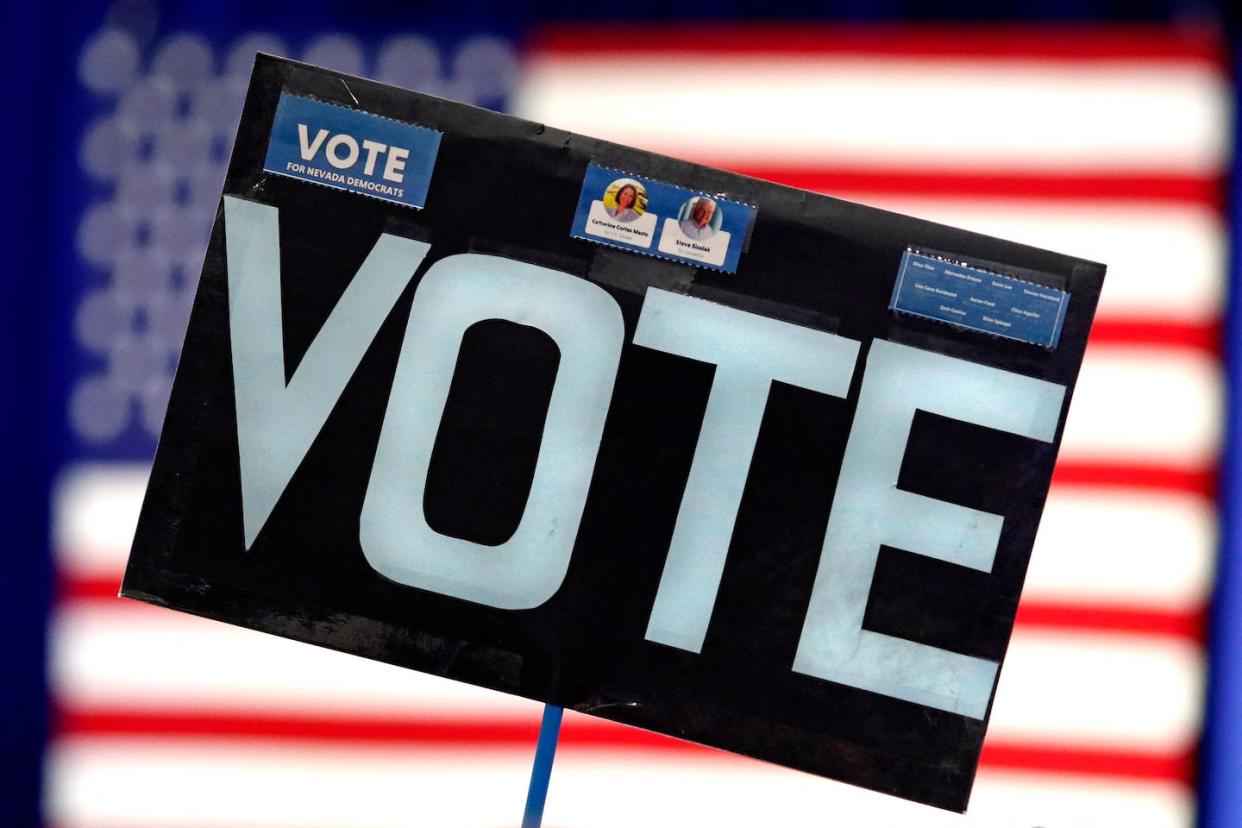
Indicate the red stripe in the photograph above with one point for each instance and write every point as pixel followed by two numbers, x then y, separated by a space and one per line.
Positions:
pixel 1136 476
pixel 1103 618
pixel 148 724
pixel 857 184
pixel 579 732
pixel 1144 332
pixel 1095 762
pixel 1064 44
pixel 1064 617
pixel 92 588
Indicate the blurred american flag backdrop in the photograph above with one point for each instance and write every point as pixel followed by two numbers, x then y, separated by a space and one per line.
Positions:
pixel 1109 143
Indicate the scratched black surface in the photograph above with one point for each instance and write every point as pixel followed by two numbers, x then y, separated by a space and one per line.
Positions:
pixel 509 187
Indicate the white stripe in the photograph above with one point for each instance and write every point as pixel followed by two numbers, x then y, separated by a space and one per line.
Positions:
pixel 94 513
pixel 1165 261
pixel 103 783
pixel 131 656
pixel 1061 688
pixel 1097 689
pixel 1136 549
pixel 1145 405
pixel 886 111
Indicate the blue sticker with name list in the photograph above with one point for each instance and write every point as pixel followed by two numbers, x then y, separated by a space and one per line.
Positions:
pixel 948 291
pixel 351 150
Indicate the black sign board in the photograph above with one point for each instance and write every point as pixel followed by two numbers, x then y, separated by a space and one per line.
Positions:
pixel 678 448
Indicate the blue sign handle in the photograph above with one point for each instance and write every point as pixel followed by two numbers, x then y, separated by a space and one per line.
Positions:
pixel 541 770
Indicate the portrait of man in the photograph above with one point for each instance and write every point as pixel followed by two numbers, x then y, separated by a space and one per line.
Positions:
pixel 698 224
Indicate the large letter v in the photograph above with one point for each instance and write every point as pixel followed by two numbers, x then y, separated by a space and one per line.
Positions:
pixel 276 423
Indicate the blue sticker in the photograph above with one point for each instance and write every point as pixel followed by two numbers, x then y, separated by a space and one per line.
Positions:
pixel 664 220
pixel 351 150
pixel 951 292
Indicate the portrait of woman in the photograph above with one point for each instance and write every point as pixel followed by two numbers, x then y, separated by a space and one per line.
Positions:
pixel 627 204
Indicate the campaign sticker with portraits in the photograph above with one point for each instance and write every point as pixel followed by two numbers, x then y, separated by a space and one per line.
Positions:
pixel 665 220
